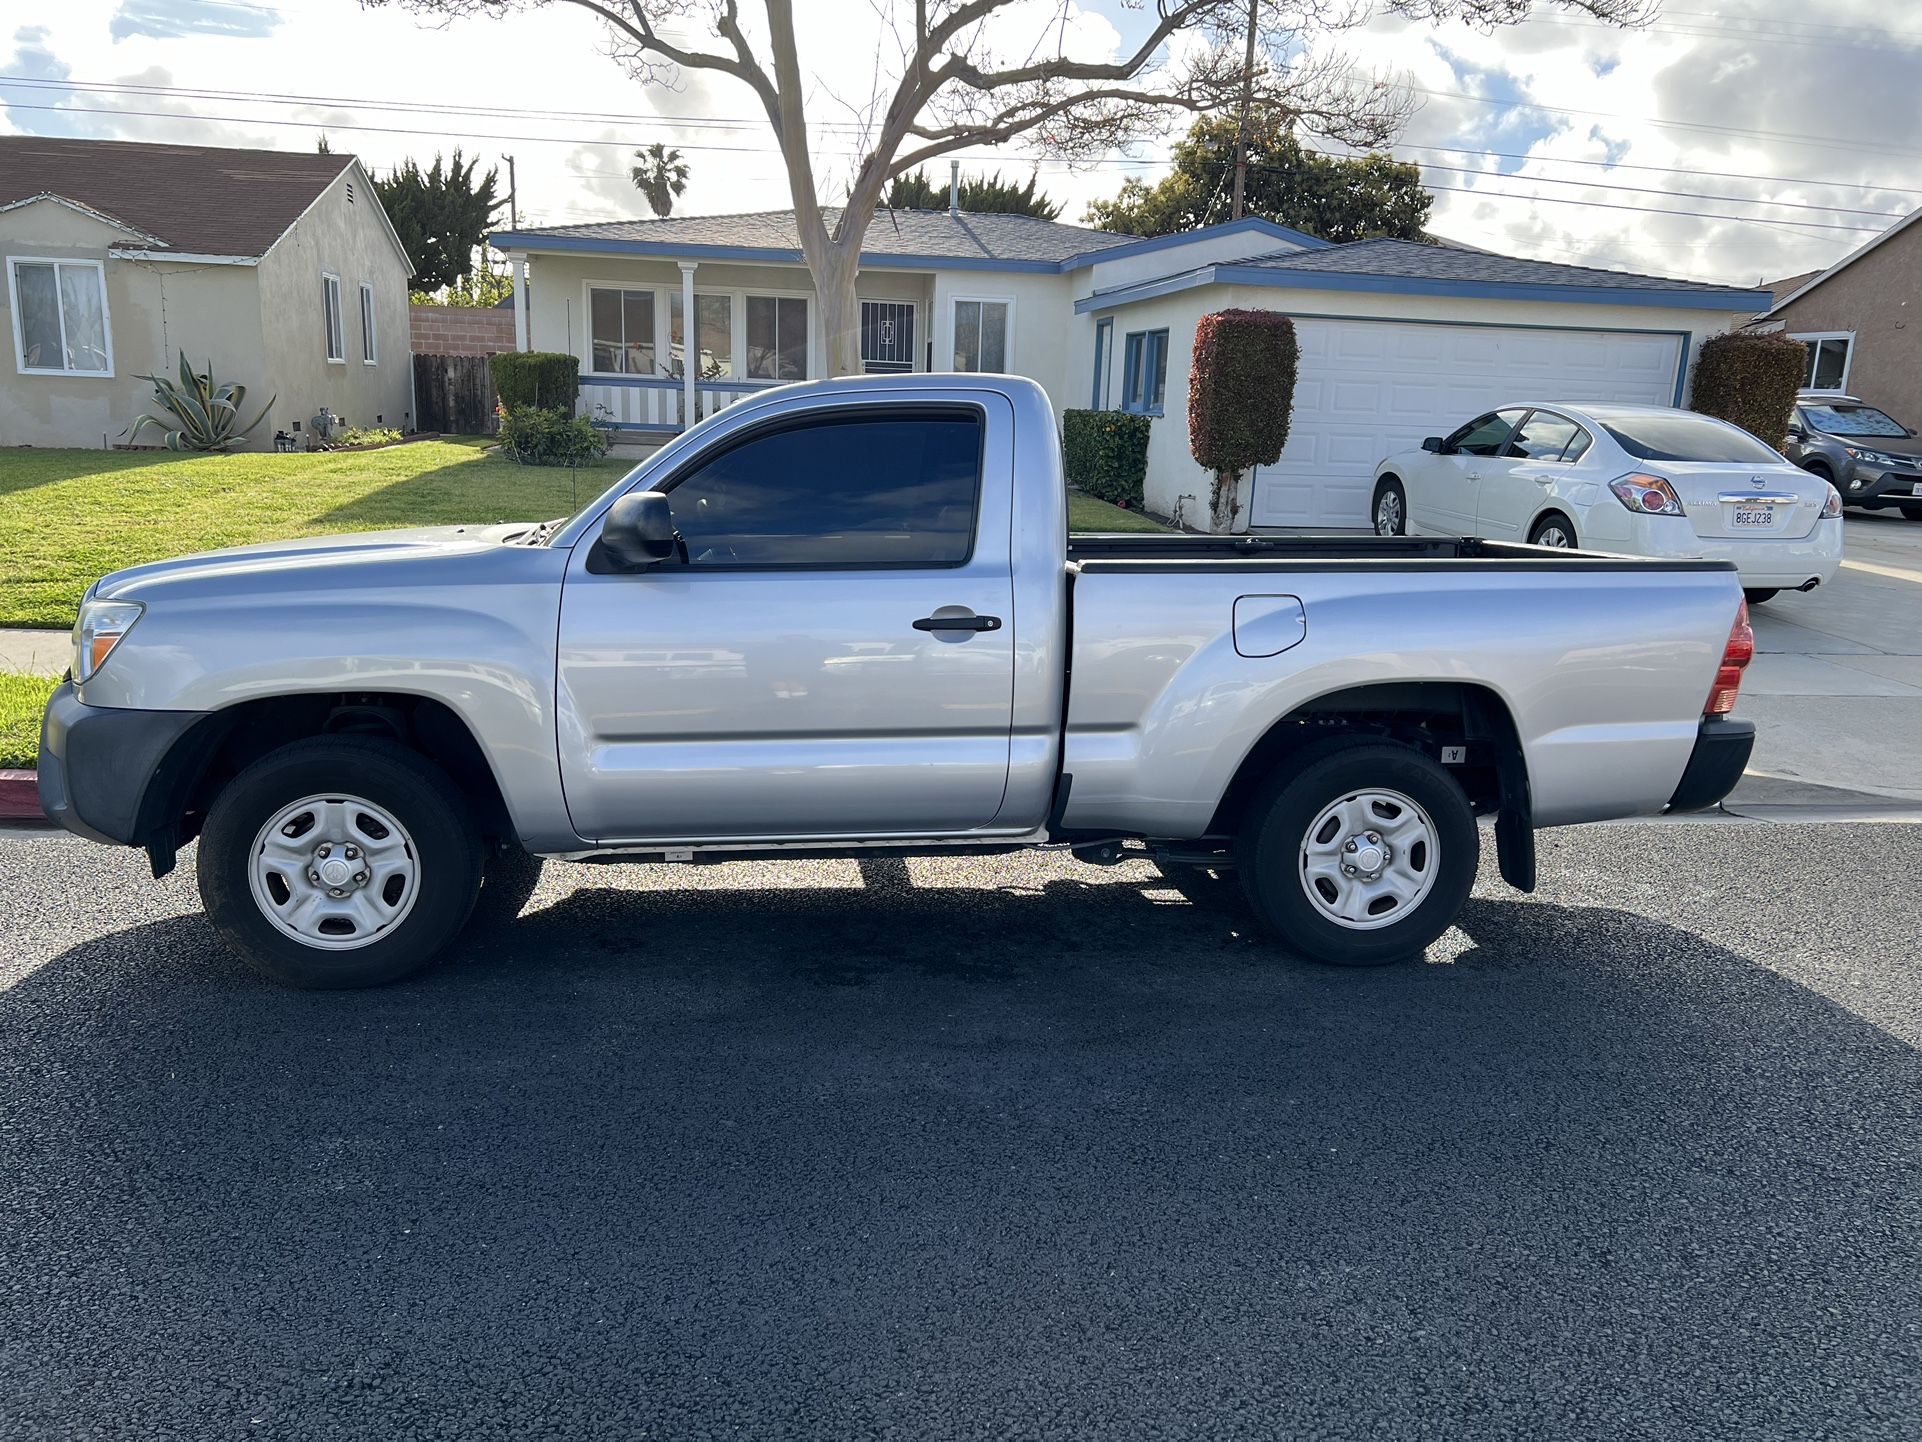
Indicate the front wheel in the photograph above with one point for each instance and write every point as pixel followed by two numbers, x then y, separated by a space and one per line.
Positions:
pixel 1359 852
pixel 1912 513
pixel 340 861
pixel 1391 508
pixel 1756 595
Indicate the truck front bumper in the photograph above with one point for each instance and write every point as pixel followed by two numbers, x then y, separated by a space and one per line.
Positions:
pixel 98 763
pixel 1720 757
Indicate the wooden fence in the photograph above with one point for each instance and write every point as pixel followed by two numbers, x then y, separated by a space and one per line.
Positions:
pixel 454 394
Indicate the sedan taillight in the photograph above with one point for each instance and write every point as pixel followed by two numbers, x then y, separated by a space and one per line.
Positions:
pixel 1735 658
pixel 1832 507
pixel 1647 495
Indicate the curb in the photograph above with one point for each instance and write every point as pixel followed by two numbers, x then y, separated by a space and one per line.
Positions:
pixel 20 799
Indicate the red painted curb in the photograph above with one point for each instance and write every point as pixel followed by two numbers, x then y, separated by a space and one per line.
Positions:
pixel 20 799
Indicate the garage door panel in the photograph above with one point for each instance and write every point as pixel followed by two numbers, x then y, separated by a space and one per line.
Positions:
pixel 1370 388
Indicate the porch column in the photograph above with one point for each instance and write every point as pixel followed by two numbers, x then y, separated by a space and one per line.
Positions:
pixel 517 270
pixel 690 349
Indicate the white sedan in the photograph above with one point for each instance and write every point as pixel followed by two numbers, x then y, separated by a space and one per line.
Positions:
pixel 1640 480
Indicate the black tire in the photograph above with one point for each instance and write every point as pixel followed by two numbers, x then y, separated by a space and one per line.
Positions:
pixel 508 881
pixel 1912 513
pixel 1554 521
pixel 1390 488
pixel 429 808
pixel 1279 816
pixel 1756 595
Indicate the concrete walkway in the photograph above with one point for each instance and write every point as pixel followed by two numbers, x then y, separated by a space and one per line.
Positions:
pixel 43 653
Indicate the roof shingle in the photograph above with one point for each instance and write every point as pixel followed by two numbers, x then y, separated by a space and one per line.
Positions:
pixel 1410 260
pixel 199 199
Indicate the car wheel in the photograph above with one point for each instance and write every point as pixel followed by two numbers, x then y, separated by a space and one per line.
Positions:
pixel 1359 852
pixel 1912 513
pixel 1758 594
pixel 1554 530
pixel 1391 508
pixel 341 861
pixel 508 881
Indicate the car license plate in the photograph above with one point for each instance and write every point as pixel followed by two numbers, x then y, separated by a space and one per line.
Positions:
pixel 1754 515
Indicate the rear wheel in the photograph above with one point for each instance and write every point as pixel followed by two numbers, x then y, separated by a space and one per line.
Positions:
pixel 1555 530
pixel 1391 508
pixel 1758 594
pixel 340 861
pixel 1359 852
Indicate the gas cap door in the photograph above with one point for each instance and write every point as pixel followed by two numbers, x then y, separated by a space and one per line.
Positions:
pixel 1268 625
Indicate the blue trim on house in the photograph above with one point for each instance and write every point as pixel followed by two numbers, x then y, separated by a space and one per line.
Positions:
pixel 675 383
pixel 1230 274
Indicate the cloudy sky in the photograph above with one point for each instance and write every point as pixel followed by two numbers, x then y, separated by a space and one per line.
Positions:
pixel 1729 140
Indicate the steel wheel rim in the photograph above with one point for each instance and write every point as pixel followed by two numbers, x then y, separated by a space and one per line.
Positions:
pixel 1369 859
pixel 1554 536
pixel 334 872
pixel 1388 514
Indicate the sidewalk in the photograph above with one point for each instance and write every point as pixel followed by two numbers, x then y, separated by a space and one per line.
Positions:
pixel 43 653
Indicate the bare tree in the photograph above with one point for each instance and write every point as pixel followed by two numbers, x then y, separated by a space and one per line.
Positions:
pixel 955 81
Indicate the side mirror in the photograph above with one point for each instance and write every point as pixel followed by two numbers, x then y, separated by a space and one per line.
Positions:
pixel 638 531
pixel 1913 432
pixel 1796 433
pixel 1433 445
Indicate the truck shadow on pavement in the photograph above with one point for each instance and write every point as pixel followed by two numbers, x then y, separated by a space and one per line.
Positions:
pixel 958 1159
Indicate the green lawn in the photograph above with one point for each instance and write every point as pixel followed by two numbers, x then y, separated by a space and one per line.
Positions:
pixel 22 699
pixel 69 517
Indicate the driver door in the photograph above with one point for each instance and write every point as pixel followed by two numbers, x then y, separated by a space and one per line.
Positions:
pixel 1453 477
pixel 833 658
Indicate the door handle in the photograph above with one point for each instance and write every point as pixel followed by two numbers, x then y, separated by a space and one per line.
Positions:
pixel 958 623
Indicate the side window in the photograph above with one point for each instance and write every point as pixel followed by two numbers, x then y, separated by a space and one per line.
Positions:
pixel 1578 445
pixel 856 491
pixel 1544 436
pixel 1485 435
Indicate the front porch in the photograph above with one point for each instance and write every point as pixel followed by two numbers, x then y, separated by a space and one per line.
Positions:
pixel 658 405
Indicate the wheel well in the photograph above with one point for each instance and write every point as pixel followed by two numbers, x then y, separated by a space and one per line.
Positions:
pixel 1819 468
pixel 1386 476
pixel 204 760
pixel 1427 715
pixel 1555 512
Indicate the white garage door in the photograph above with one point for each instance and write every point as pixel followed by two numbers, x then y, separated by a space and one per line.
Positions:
pixel 1369 388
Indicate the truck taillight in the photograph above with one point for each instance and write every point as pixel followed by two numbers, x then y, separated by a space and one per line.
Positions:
pixel 1735 658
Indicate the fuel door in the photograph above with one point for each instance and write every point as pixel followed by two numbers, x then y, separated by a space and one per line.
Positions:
pixel 1268 625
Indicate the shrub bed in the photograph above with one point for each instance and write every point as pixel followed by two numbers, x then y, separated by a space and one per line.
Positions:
pixel 1750 380
pixel 1105 453
pixel 549 436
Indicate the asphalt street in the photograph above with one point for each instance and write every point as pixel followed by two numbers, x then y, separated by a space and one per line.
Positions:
pixel 980 1148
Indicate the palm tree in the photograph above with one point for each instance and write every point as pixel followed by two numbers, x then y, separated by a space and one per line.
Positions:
pixel 660 177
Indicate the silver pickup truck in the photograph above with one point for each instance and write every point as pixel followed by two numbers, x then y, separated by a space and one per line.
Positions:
pixel 847 618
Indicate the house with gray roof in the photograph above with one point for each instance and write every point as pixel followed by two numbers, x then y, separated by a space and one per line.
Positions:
pixel 279 267
pixel 1399 340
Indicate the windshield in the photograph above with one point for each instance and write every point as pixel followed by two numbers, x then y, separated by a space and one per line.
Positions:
pixel 1853 421
pixel 1679 436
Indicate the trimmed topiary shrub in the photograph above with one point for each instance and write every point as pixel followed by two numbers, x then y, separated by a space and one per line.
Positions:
pixel 1750 380
pixel 1241 393
pixel 541 378
pixel 1106 454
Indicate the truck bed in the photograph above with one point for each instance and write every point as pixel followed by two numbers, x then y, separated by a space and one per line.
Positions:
pixel 1131 551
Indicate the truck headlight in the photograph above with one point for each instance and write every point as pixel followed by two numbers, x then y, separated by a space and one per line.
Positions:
pixel 98 631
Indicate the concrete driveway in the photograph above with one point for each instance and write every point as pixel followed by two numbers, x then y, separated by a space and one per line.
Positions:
pixel 1836 688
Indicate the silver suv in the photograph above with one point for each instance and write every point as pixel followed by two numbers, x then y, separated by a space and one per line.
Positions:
pixel 1869 456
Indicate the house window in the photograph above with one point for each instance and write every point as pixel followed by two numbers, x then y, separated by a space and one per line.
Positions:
pixel 713 336
pixel 1829 355
pixel 1144 368
pixel 330 308
pixel 60 317
pixel 1103 343
pixel 981 334
pixel 621 326
pixel 777 337
pixel 369 352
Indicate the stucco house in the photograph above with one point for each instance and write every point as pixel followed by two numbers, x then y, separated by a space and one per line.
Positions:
pixel 280 268
pixel 1398 340
pixel 1862 320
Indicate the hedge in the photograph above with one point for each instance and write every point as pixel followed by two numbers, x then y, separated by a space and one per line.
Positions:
pixel 1750 380
pixel 1241 393
pixel 1106 454
pixel 536 378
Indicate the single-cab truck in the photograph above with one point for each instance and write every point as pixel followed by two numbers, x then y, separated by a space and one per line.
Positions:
pixel 847 618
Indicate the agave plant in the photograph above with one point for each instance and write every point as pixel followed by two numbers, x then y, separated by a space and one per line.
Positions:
pixel 198 415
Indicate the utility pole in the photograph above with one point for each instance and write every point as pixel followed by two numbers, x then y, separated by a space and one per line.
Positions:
pixel 1241 126
pixel 513 196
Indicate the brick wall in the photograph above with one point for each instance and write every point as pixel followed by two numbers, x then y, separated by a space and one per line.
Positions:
pixel 460 329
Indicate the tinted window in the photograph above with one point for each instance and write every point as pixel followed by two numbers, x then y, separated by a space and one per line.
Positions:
pixel 854 491
pixel 1544 436
pixel 1852 421
pixel 1578 447
pixel 1678 436
pixel 1485 435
